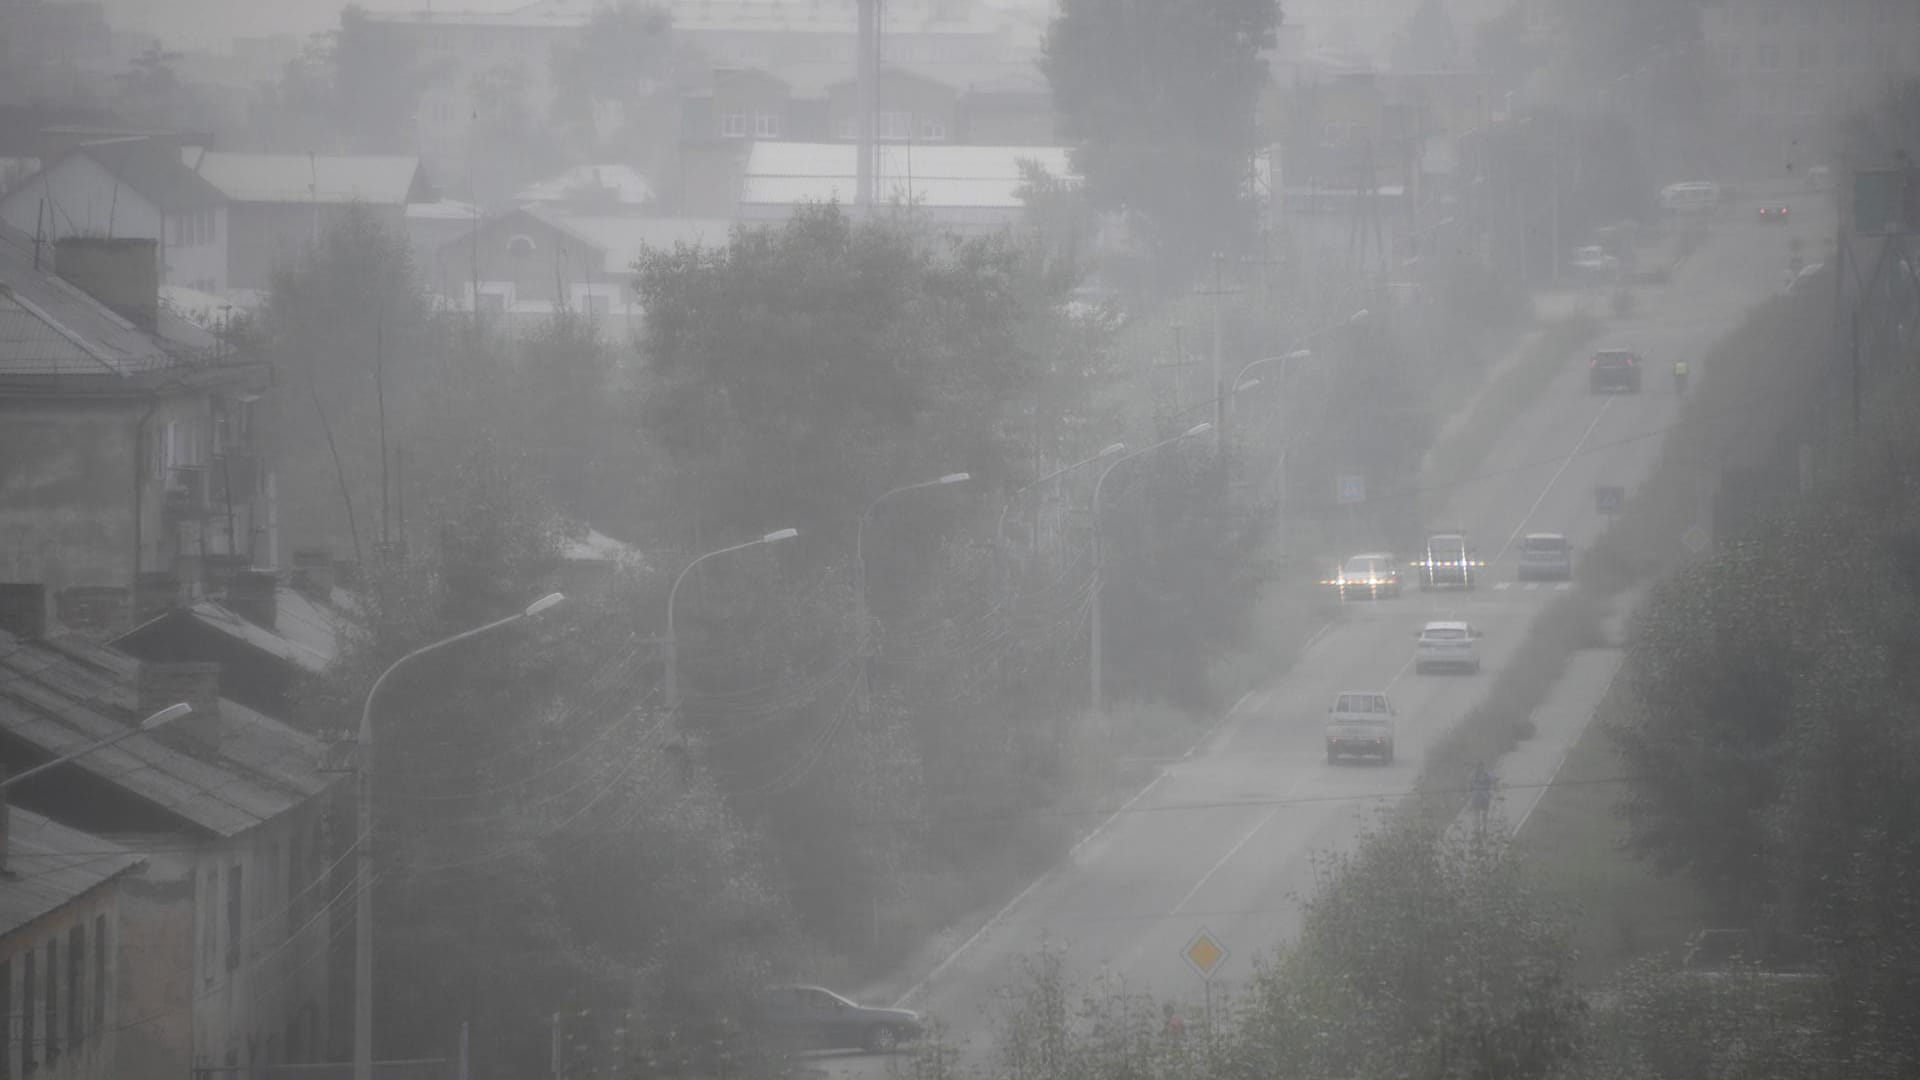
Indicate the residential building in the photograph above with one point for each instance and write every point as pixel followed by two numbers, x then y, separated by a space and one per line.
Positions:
pixel 961 188
pixel 593 189
pixel 1000 103
pixel 234 822
pixel 276 205
pixel 126 450
pixel 1789 68
pixel 527 264
pixel 132 187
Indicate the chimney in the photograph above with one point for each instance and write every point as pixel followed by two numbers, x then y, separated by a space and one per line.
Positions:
pixel 165 683
pixel 155 592
pixel 122 274
pixel 23 611
pixel 313 572
pixel 253 595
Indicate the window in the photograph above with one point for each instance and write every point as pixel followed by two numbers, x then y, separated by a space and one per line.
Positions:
pixel 895 125
pixel 53 999
pixel 236 915
pixel 29 1050
pixel 733 126
pixel 933 129
pixel 76 984
pixel 847 127
pixel 99 972
pixel 766 126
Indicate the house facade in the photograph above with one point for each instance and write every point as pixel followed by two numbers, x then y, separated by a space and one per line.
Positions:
pixel 126 453
pixel 225 961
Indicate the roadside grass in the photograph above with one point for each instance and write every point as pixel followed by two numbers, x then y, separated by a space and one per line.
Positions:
pixel 1462 449
pixel 1574 843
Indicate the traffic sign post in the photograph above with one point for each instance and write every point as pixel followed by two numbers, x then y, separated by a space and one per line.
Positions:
pixel 1351 490
pixel 1204 954
pixel 1609 500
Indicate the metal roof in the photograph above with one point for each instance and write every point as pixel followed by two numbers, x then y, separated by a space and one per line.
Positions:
pixel 224 774
pixel 49 327
pixel 50 865
pixel 961 177
pixel 304 178
pixel 154 169
pixel 629 188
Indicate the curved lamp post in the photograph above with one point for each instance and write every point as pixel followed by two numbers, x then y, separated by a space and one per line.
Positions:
pixel 165 716
pixel 1099 568
pixel 860 560
pixel 671 648
pixel 363 874
pixel 1000 530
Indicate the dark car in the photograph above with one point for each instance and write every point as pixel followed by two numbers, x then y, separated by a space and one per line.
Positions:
pixel 1545 557
pixel 1614 369
pixel 1449 563
pixel 1369 576
pixel 1775 213
pixel 815 1018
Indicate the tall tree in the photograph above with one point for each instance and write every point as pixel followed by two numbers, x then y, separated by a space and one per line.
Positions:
pixel 1158 99
pixel 615 75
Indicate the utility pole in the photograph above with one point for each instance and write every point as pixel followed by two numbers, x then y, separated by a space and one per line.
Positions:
pixel 1218 291
pixel 867 77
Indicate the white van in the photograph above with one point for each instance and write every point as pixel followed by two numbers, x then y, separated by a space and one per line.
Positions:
pixel 1691 197
pixel 1360 722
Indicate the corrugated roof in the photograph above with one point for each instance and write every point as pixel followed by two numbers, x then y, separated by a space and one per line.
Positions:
pixel 49 327
pixel 304 633
pixel 625 182
pixel 225 776
pixel 50 865
pixel 154 169
pixel 971 177
pixel 300 178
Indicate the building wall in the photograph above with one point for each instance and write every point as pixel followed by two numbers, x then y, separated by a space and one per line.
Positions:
pixel 194 250
pixel 749 105
pixel 911 110
pixel 1008 120
pixel 520 258
pixel 108 1007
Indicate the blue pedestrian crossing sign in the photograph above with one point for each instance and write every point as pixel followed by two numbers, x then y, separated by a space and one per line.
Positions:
pixel 1352 489
pixel 1609 500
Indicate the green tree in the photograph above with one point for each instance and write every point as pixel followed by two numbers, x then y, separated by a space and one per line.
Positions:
pixel 1157 99
pixel 1419 955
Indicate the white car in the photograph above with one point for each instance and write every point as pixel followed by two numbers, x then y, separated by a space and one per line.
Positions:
pixel 1447 645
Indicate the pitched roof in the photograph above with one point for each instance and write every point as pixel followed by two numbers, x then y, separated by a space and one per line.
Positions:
pixel 154 169
pixel 625 239
pixel 305 634
pixel 49 327
pixel 971 177
pixel 225 774
pixel 50 865
pixel 302 178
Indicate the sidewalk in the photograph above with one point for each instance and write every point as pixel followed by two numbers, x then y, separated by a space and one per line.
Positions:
pixel 1529 769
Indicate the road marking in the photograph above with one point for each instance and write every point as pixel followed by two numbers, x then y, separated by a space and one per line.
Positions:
pixel 1532 586
pixel 1558 473
pixel 1563 586
pixel 1500 586
pixel 1224 859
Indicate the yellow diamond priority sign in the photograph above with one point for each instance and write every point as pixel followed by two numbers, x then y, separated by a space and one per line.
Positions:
pixel 1204 955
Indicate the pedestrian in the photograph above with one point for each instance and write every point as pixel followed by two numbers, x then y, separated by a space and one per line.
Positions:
pixel 1176 1028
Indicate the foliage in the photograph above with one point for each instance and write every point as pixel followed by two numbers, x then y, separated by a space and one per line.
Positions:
pixel 1157 100
pixel 1658 1022
pixel 1419 955
pixel 622 63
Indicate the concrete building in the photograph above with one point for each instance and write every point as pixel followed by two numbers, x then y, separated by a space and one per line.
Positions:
pixel 960 188
pixel 126 449
pixel 234 822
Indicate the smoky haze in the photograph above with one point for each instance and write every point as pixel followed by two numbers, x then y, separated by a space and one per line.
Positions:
pixel 981 538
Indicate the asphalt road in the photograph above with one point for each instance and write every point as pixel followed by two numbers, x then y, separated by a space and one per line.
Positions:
pixel 1224 841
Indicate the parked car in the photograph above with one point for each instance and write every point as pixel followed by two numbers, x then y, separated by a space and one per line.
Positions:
pixel 1447 645
pixel 1614 369
pixel 1545 557
pixel 1370 575
pixel 815 1018
pixel 1360 722
pixel 1449 563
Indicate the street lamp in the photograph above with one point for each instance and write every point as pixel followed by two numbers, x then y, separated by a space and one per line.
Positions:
pixel 1099 582
pixel 363 872
pixel 165 716
pixel 671 650
pixel 860 561
pixel 1000 530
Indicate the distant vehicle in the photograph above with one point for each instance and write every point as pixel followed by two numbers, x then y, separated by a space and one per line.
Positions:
pixel 1614 369
pixel 1773 213
pixel 1360 723
pixel 1690 197
pixel 1449 563
pixel 1447 645
pixel 1368 576
pixel 1594 262
pixel 815 1018
pixel 1545 557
